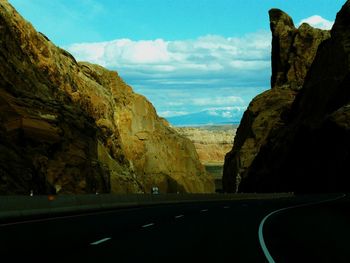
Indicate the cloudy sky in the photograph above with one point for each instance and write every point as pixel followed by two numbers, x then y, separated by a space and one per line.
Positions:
pixel 185 56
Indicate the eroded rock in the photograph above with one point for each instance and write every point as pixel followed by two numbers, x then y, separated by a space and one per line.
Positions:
pixel 211 142
pixel 311 153
pixel 78 128
pixel 293 51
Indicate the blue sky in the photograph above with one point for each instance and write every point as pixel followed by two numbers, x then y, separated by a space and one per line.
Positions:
pixel 185 56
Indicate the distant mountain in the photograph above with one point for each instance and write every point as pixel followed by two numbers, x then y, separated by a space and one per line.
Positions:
pixel 225 115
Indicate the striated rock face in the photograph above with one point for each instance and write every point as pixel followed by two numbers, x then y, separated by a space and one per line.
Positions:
pixel 293 51
pixel 312 153
pixel 72 127
pixel 211 142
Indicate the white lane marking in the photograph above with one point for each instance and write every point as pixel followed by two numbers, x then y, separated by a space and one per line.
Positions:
pixel 148 225
pixel 204 210
pixel 226 207
pixel 100 241
pixel 117 210
pixel 261 226
pixel 179 216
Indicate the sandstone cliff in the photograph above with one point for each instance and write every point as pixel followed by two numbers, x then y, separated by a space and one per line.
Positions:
pixel 211 142
pixel 74 127
pixel 293 51
pixel 311 153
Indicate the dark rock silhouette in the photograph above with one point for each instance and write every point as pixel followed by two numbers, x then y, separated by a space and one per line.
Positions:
pixel 312 153
pixel 293 51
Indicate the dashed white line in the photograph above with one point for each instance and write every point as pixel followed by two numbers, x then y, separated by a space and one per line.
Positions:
pixel 62 217
pixel 148 225
pixel 204 210
pixel 100 241
pixel 226 207
pixel 179 216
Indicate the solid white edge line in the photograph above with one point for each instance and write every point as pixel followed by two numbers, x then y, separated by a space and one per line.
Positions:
pixel 148 225
pixel 262 241
pixel 100 241
pixel 261 226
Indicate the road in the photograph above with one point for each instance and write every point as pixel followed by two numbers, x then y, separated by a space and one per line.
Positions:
pixel 207 231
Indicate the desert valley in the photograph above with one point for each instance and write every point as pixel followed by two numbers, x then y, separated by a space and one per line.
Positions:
pixel 212 143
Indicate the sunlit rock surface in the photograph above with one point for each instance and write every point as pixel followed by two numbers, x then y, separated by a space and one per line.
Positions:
pixel 211 142
pixel 72 127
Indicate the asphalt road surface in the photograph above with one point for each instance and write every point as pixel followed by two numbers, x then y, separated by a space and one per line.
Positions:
pixel 228 231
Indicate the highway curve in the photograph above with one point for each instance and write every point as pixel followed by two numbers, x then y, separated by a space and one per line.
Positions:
pixel 225 231
pixel 312 232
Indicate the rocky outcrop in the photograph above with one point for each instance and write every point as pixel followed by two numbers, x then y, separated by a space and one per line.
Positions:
pixel 293 51
pixel 211 142
pixel 311 154
pixel 72 127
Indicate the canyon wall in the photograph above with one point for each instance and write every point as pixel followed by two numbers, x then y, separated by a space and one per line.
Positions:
pixel 293 52
pixel 70 127
pixel 312 152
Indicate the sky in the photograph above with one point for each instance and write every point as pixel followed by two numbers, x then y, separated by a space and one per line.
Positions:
pixel 186 56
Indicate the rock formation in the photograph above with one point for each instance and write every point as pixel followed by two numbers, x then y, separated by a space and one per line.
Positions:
pixel 312 153
pixel 72 127
pixel 293 51
pixel 211 142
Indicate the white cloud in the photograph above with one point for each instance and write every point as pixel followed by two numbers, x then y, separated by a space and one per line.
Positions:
pixel 213 113
pixel 233 108
pixel 215 73
pixel 229 100
pixel 166 114
pixel 175 103
pixel 318 22
pixel 182 57
pixel 227 114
